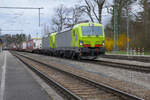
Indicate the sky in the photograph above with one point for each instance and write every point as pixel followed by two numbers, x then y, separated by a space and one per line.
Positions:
pixel 26 21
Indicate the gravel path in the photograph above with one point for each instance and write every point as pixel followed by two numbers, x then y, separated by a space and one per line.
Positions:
pixel 131 81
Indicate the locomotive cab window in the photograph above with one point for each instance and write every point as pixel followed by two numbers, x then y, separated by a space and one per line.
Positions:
pixel 92 30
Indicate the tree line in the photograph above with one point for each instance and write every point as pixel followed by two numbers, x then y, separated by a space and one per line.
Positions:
pixel 139 21
pixel 16 39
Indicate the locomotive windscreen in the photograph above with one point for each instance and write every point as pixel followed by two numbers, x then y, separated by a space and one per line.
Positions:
pixel 92 30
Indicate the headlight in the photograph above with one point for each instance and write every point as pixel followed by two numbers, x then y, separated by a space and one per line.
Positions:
pixel 81 43
pixel 103 43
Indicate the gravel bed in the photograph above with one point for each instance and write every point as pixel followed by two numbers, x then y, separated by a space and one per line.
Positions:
pixel 133 82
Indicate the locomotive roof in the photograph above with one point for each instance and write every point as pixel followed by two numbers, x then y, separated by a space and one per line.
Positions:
pixel 50 34
pixel 87 24
pixel 53 33
pixel 79 25
pixel 63 31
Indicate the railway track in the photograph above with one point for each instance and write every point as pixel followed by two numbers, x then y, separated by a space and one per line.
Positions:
pixel 73 87
pixel 125 57
pixel 139 68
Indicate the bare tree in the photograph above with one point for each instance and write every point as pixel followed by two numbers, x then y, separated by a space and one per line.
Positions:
pixel 75 16
pixel 93 8
pixel 87 9
pixel 59 20
pixel 66 17
pixel 100 4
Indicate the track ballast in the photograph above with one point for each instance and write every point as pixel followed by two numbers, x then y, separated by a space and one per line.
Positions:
pixel 74 87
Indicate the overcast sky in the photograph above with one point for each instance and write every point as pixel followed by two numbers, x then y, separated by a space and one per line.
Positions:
pixel 27 20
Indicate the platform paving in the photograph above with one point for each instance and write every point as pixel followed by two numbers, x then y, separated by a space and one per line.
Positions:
pixel 16 82
pixel 1 59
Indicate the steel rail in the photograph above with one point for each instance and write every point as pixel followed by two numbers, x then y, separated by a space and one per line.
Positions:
pixel 138 68
pixel 99 85
pixel 125 57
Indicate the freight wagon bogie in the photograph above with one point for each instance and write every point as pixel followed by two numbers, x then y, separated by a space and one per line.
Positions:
pixel 79 53
pixel 64 53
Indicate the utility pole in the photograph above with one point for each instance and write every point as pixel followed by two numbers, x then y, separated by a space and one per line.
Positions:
pixel 127 29
pixel 39 16
pixel 37 35
pixel 115 8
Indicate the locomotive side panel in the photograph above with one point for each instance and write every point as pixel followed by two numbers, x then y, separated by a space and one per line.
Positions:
pixel 52 40
pixel 64 39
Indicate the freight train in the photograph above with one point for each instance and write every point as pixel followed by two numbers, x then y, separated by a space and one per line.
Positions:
pixel 83 41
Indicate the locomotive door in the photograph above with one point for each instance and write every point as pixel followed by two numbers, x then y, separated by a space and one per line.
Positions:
pixel 75 38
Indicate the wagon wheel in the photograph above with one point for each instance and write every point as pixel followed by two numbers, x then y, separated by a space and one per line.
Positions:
pixel 73 55
pixel 78 57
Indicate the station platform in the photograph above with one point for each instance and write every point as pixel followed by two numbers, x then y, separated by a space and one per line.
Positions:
pixel 123 61
pixel 16 83
pixel 121 57
pixel 129 55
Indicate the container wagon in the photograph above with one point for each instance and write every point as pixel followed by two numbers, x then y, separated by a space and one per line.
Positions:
pixel 34 45
pixel 23 46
